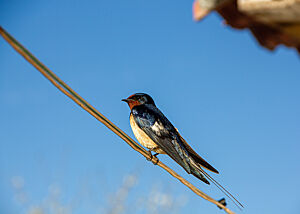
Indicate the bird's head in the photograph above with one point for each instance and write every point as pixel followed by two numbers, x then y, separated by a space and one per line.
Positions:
pixel 138 99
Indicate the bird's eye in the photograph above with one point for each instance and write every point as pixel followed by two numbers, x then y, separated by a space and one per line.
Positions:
pixel 143 100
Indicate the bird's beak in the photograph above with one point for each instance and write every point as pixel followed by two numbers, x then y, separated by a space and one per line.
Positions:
pixel 126 100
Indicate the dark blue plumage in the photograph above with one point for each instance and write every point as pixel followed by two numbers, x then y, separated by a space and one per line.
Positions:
pixel 154 123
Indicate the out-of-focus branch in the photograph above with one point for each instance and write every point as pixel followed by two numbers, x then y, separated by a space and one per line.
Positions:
pixel 63 87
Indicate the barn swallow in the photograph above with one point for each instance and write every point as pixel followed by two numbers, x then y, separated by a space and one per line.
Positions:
pixel 154 131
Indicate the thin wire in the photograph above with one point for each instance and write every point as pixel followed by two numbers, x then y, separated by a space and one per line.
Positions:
pixel 63 87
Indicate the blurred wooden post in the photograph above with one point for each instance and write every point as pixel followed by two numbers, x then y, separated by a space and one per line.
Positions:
pixel 282 14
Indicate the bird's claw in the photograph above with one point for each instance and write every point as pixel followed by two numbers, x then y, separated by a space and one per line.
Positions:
pixel 150 155
pixel 152 158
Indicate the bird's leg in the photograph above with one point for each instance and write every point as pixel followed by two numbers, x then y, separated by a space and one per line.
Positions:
pixel 155 155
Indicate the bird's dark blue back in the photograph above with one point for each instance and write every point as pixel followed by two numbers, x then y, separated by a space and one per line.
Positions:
pixel 149 115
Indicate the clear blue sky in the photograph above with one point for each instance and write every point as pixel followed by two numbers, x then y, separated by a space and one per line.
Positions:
pixel 237 104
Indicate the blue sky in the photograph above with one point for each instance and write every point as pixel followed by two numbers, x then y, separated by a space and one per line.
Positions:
pixel 237 104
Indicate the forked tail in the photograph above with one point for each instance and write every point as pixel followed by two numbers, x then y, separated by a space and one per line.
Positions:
pixel 220 187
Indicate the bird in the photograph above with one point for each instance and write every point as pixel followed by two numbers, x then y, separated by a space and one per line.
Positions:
pixel 154 131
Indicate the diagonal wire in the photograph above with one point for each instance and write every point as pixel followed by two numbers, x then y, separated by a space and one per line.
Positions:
pixel 63 87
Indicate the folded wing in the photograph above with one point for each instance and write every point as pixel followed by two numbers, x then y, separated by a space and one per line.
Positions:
pixel 162 132
pixel 196 157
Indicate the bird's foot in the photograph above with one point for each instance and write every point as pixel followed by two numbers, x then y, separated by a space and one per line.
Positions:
pixel 150 155
pixel 153 158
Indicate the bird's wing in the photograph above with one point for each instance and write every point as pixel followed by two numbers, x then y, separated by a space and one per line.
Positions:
pixel 199 160
pixel 154 124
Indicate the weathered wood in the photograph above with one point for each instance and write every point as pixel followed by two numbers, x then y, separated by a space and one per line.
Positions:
pixel 292 30
pixel 272 22
pixel 279 11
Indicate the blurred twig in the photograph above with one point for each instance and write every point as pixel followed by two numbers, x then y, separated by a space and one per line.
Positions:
pixel 63 87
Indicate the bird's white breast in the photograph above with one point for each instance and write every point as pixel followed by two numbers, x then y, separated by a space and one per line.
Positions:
pixel 142 137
